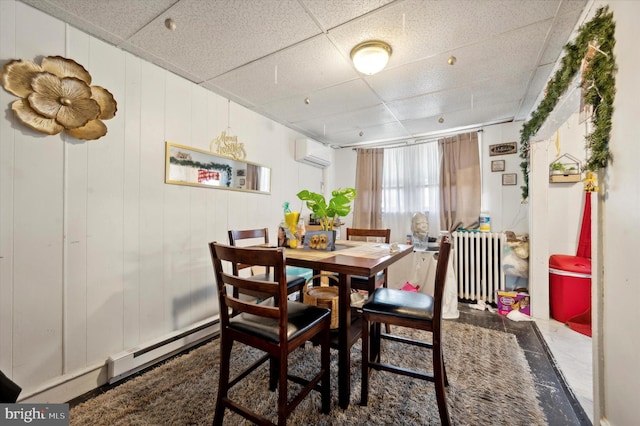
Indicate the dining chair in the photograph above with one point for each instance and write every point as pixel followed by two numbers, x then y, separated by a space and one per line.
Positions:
pixel 413 310
pixel 276 329
pixel 295 283
pixel 363 283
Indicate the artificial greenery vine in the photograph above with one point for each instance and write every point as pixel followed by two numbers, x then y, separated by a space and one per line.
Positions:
pixel 225 168
pixel 598 83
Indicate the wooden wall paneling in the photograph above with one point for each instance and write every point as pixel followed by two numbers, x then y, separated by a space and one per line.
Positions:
pixel 152 154
pixel 75 233
pixel 104 214
pixel 176 209
pixel 129 111
pixel 37 223
pixel 7 147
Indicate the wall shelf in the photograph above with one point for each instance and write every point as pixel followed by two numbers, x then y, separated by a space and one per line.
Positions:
pixel 566 169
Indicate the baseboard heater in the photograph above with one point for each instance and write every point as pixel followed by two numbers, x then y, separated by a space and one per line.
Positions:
pixel 126 363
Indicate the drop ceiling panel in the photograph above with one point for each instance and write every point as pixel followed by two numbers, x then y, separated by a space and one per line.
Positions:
pixel 213 38
pixel 331 13
pixel 269 55
pixel 333 101
pixel 432 104
pixel 300 70
pixel 351 121
pixel 418 29
pixel 505 55
pixel 119 18
pixel 375 133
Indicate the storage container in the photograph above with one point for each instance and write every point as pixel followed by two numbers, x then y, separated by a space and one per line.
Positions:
pixel 569 286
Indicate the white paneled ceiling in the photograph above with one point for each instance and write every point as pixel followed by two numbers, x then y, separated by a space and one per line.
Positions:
pixel 272 55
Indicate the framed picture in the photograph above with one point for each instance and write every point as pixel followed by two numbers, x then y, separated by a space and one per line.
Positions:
pixel 509 179
pixel 242 181
pixel 503 148
pixel 497 166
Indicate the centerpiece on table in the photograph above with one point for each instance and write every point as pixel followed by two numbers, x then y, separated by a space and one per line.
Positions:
pixel 327 215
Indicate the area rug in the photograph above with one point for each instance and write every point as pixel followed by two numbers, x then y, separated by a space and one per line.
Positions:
pixel 490 383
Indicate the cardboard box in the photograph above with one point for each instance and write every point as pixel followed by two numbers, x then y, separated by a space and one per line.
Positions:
pixel 511 300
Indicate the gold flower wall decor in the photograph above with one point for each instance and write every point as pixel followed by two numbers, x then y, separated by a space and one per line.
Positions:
pixel 57 95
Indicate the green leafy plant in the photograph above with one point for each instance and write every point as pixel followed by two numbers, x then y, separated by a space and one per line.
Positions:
pixel 558 167
pixel 598 83
pixel 339 205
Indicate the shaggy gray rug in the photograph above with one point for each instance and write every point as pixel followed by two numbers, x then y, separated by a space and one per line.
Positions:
pixel 489 383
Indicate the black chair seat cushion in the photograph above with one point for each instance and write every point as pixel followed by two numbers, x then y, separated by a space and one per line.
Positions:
pixel 363 282
pixel 400 303
pixel 293 281
pixel 301 318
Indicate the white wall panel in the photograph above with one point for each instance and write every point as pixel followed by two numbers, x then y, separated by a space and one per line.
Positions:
pixel 75 233
pixel 37 223
pixel 104 213
pixel 152 185
pixel 619 335
pixel 177 279
pixel 7 50
pixel 201 296
pixel 129 111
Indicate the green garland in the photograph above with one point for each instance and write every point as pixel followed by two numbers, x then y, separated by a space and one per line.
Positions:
pixel 225 168
pixel 599 86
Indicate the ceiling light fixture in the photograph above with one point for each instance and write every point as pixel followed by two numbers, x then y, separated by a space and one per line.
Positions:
pixel 371 57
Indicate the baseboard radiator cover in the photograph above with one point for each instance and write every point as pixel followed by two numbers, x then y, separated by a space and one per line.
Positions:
pixel 478 265
pixel 131 361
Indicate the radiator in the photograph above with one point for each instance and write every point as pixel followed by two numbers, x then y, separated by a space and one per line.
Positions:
pixel 478 265
pixel 126 363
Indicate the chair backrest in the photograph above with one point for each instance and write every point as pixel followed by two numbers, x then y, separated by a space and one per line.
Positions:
pixel 275 287
pixel 259 236
pixel 362 234
pixel 441 279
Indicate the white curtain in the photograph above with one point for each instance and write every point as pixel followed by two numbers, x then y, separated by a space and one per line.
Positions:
pixel 410 184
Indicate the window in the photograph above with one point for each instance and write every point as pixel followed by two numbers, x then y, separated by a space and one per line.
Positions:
pixel 410 184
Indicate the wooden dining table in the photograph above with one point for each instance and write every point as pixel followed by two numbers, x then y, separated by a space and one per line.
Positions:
pixel 359 258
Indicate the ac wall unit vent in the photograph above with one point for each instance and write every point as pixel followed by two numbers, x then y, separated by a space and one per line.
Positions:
pixel 313 153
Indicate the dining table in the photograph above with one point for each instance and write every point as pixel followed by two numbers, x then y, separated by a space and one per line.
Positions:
pixel 350 258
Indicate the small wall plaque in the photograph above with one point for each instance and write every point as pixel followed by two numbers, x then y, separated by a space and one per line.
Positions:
pixel 503 148
pixel 509 179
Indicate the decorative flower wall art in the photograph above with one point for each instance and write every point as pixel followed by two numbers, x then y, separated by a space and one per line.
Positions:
pixel 57 95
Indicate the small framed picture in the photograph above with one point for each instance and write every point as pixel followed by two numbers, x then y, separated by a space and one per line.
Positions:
pixel 509 179
pixel 242 181
pixel 497 166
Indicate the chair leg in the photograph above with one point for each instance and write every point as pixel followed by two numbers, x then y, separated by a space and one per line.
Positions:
pixel 282 389
pixel 439 382
pixel 223 382
pixel 325 362
pixel 364 387
pixel 274 373
pixel 444 372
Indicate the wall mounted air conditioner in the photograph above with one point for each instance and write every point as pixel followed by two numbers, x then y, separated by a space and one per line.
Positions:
pixel 313 153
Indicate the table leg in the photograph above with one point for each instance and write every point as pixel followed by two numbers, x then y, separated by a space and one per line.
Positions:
pixel 344 337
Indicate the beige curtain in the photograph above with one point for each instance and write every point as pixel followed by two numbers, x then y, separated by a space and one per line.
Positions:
pixel 460 188
pixel 367 208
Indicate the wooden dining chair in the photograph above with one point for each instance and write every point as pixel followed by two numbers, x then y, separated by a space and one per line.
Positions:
pixel 295 283
pixel 380 280
pixel 413 310
pixel 274 329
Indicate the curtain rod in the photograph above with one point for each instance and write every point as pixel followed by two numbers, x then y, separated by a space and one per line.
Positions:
pixel 411 142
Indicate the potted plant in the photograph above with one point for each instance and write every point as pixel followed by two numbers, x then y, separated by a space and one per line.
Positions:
pixel 557 168
pixel 326 213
